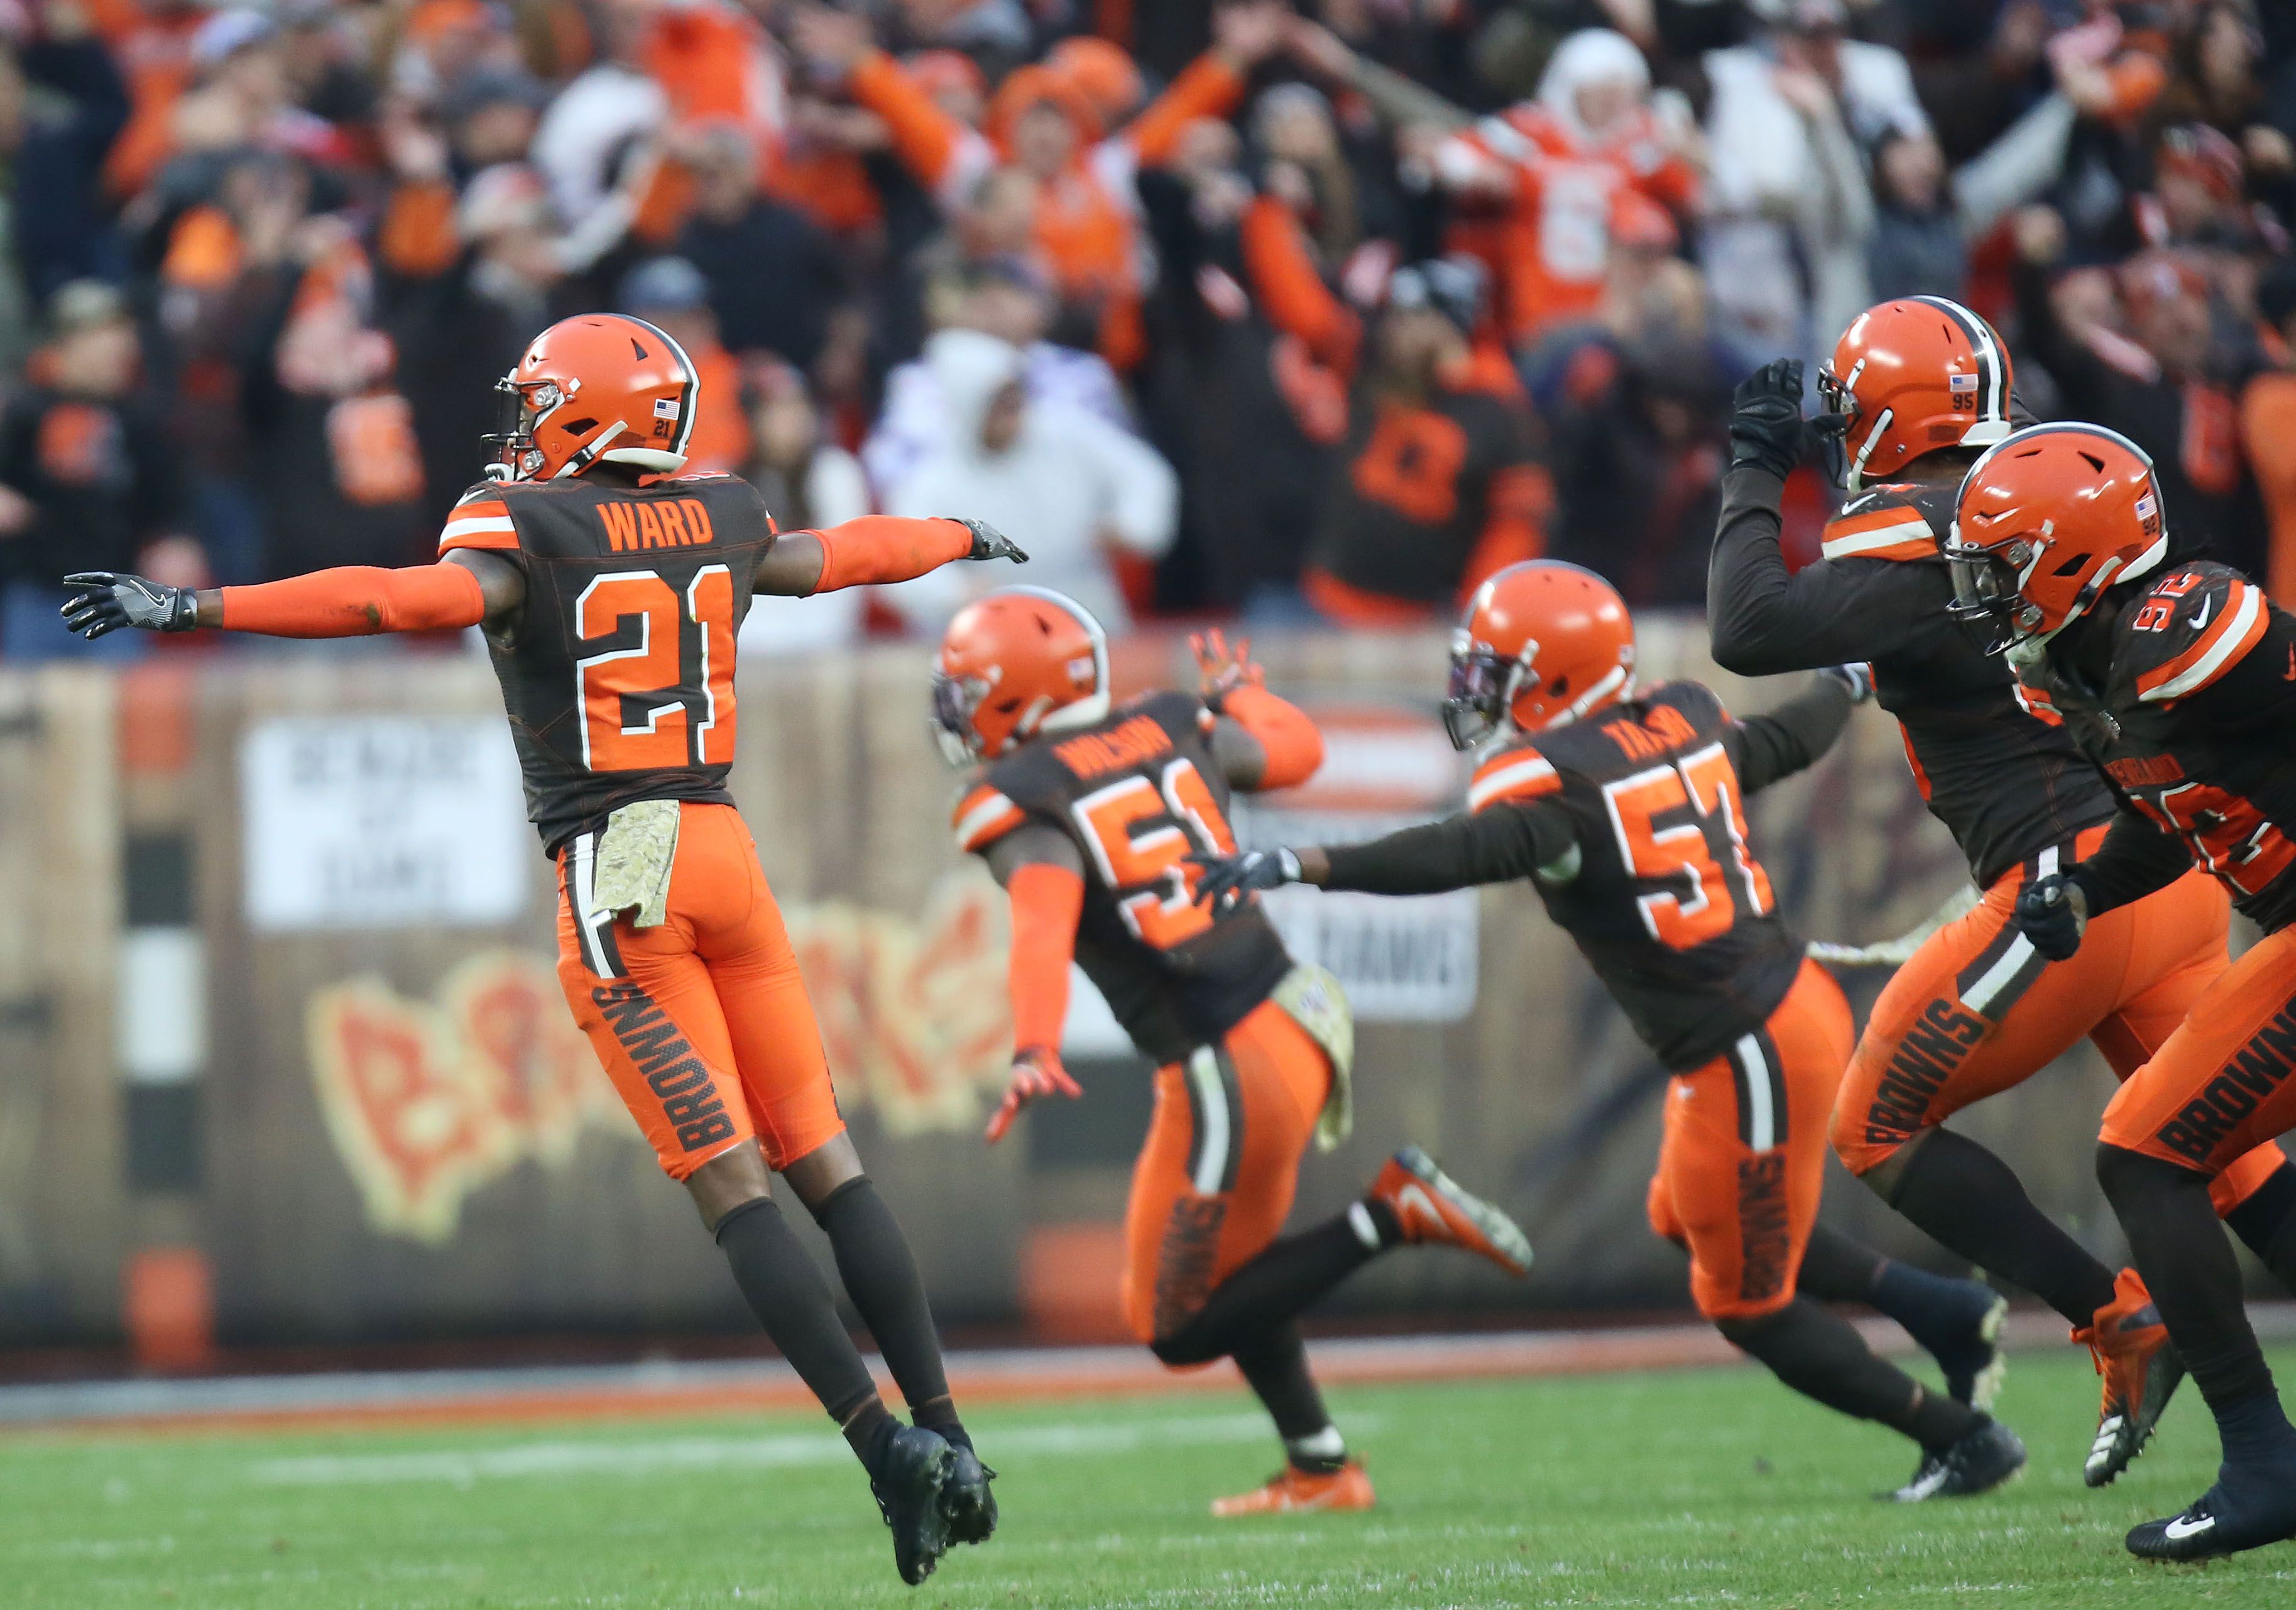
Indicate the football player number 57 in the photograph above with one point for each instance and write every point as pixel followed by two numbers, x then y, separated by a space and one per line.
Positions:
pixel 1154 880
pixel 659 690
pixel 1699 790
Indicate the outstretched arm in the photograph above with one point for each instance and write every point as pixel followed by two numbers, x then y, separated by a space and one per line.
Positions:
pixel 1495 845
pixel 874 550
pixel 466 588
pixel 1043 876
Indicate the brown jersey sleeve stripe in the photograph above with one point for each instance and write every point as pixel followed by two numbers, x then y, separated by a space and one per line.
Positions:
pixel 2239 626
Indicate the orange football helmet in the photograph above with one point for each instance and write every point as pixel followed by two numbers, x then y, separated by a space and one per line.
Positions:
pixel 2044 523
pixel 1542 644
pixel 1013 663
pixel 599 388
pixel 1912 376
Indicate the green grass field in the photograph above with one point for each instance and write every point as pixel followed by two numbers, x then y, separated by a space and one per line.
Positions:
pixel 1696 1487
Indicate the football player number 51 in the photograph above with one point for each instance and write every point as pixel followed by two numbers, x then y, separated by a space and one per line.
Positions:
pixel 1162 911
pixel 660 691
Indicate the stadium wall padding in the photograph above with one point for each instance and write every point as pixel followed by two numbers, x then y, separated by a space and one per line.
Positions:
pixel 397 1135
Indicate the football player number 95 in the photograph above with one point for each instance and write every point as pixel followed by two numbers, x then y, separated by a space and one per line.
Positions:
pixel 1164 913
pixel 663 695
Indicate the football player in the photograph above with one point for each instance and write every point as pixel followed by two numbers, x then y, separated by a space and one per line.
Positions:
pixel 1919 388
pixel 1627 813
pixel 2178 680
pixel 610 591
pixel 1088 813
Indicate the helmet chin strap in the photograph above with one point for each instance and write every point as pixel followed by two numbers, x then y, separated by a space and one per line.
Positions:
pixel 579 459
pixel 1873 439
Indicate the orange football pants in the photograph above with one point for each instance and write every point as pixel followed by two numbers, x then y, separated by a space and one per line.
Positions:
pixel 1977 1010
pixel 2224 1086
pixel 1743 1161
pixel 1215 1181
pixel 702 1021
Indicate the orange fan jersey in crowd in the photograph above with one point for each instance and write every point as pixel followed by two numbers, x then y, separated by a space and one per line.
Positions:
pixel 1564 194
pixel 1087 227
pixel 1450 485
pixel 152 46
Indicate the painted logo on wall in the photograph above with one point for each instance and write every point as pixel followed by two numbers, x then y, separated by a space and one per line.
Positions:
pixel 430 1099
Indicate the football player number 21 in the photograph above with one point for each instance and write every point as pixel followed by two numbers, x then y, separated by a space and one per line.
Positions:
pixel 1163 910
pixel 658 692
pixel 1685 795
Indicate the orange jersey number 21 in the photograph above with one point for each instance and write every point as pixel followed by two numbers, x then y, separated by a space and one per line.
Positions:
pixel 1699 904
pixel 663 695
pixel 1163 912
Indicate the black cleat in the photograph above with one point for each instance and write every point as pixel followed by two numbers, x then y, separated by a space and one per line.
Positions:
pixel 2248 1513
pixel 1987 1456
pixel 966 1503
pixel 1973 1363
pixel 909 1491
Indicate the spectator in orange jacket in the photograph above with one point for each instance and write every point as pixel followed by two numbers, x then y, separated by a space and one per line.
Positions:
pixel 1046 123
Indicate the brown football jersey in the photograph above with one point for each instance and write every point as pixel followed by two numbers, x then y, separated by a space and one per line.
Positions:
pixel 1138 792
pixel 617 673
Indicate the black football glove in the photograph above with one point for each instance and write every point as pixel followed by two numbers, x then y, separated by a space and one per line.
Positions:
pixel 103 602
pixel 2052 912
pixel 1859 679
pixel 990 542
pixel 1229 879
pixel 1767 429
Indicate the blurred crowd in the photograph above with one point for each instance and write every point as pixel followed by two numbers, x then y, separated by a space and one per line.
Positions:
pixel 1287 310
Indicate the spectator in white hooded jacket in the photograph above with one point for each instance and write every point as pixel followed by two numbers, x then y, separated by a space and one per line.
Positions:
pixel 1063 483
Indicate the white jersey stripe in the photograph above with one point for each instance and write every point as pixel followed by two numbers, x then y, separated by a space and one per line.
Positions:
pixel 1530 769
pixel 2231 634
pixel 1880 536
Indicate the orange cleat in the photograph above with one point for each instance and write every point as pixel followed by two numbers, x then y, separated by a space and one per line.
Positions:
pixel 2141 1370
pixel 1292 1488
pixel 1432 1207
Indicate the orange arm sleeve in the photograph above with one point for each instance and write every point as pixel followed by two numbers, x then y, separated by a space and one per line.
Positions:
pixel 417 237
pixel 1294 745
pixel 878 549
pixel 1208 87
pixel 925 138
pixel 1291 292
pixel 2268 425
pixel 1047 903
pixel 358 601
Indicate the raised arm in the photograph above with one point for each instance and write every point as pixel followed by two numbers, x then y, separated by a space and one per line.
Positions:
pixel 1763 619
pixel 1261 742
pixel 874 550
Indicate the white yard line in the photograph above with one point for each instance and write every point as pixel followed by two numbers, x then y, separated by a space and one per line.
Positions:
pixel 649 1456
